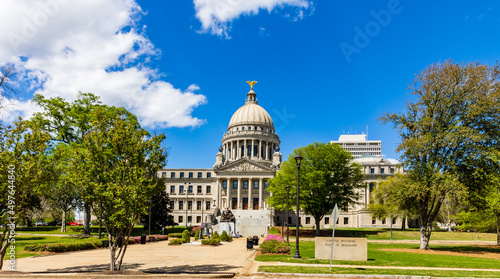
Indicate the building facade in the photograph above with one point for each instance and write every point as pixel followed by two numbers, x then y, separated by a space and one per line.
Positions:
pixel 247 159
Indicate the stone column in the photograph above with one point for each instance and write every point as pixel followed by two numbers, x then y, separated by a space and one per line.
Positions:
pixel 250 188
pixel 260 150
pixel 267 151
pixel 245 149
pixel 238 151
pixel 261 185
pixel 239 194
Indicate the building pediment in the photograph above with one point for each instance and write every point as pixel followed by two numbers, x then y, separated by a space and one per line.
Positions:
pixel 244 165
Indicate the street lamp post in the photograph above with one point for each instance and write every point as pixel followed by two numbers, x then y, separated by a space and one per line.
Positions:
pixel 287 211
pixel 298 159
pixel 282 216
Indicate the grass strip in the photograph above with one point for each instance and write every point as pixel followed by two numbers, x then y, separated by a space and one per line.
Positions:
pixel 370 271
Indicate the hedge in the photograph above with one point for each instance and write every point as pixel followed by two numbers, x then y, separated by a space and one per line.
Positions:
pixel 175 235
pixel 176 241
pixel 214 242
pixel 62 247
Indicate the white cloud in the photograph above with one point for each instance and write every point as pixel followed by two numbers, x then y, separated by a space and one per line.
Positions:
pixel 216 15
pixel 67 46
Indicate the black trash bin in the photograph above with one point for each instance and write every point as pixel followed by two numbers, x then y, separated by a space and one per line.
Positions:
pixel 249 243
pixel 143 239
pixel 255 240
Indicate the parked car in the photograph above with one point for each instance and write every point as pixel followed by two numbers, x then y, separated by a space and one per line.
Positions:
pixel 40 223
pixel 72 223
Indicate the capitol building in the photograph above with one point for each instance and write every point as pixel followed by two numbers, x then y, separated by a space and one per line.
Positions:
pixel 247 159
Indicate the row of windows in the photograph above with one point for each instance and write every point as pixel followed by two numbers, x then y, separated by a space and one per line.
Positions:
pixel 180 219
pixel 190 205
pixel 245 184
pixel 382 170
pixel 199 189
pixel 255 128
pixel 327 220
pixel 190 175
pixel 374 221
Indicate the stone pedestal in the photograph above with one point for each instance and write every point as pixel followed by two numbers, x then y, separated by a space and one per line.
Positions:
pixel 226 226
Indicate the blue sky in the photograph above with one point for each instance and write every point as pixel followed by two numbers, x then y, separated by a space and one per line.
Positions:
pixel 181 66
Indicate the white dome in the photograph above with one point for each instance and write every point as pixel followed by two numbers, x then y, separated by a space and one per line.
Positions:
pixel 251 114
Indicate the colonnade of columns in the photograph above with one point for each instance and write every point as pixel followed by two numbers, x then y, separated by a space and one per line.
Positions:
pixel 259 149
pixel 227 195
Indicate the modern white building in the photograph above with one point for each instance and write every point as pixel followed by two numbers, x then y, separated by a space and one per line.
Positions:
pixel 358 145
pixel 247 159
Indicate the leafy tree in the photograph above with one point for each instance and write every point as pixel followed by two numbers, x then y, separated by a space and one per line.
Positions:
pixel 327 176
pixel 120 164
pixel 68 123
pixel 474 221
pixel 451 206
pixel 160 212
pixel 389 198
pixel 452 122
pixel 23 157
pixel 62 193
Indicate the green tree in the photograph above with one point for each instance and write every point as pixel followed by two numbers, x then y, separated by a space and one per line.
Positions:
pixel 69 123
pixel 328 176
pixel 120 164
pixel 450 124
pixel 160 212
pixel 389 199
pixel 23 161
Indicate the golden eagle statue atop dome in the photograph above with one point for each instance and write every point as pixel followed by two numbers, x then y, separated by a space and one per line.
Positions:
pixel 251 83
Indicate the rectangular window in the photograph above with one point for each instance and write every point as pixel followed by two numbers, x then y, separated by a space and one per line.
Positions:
pixel 224 184
pixel 190 189
pixel 382 170
pixel 200 175
pixel 327 220
pixel 393 221
pixel 209 174
pixel 383 221
pixel 181 189
pixel 190 175
pixel 235 184
pixel 372 170
pixel 198 189
pixel 391 170
pixel 172 175
pixel 266 184
pixel 172 189
pixel 245 184
pixel 163 174
pixel 190 219
pixel 308 220
pixel 346 220
pixel 181 205
pixel 256 184
pixel 209 189
pixel 181 219
pixel 249 150
pixel 190 205
pixel 198 205
pixel 198 219
pixel 234 203
pixel 337 221
pixel 172 205
pixel 181 175
pixel 207 205
pixel 255 150
pixel 374 221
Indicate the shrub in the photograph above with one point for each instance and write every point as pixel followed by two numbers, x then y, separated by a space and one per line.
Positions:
pixel 62 247
pixel 274 244
pixel 176 241
pixel 175 235
pixel 215 235
pixel 186 237
pixel 274 231
pixel 225 237
pixel 197 235
pixel 213 242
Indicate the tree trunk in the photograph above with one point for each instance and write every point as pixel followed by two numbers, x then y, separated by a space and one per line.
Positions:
pixel 425 235
pixel 86 219
pixel 63 223
pixel 112 254
pixel 403 224
pixel 317 221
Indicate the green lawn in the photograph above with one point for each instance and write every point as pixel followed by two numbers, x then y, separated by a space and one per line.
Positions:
pixel 23 240
pixel 391 258
pixel 434 273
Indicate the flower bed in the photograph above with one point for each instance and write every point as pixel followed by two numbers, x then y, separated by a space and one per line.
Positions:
pixel 274 244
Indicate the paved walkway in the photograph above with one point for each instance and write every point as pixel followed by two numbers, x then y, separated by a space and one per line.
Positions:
pixel 156 257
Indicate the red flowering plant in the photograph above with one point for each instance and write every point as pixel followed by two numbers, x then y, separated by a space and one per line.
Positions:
pixel 274 244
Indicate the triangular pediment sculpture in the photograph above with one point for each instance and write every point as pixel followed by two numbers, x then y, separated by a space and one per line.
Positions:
pixel 244 165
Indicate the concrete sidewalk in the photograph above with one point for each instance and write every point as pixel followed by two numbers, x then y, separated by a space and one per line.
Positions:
pixel 156 257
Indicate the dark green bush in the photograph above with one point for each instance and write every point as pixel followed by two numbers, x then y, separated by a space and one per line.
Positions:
pixel 176 241
pixel 215 235
pixel 213 241
pixel 274 231
pixel 225 237
pixel 175 235
pixel 62 247
pixel 197 235
pixel 186 237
